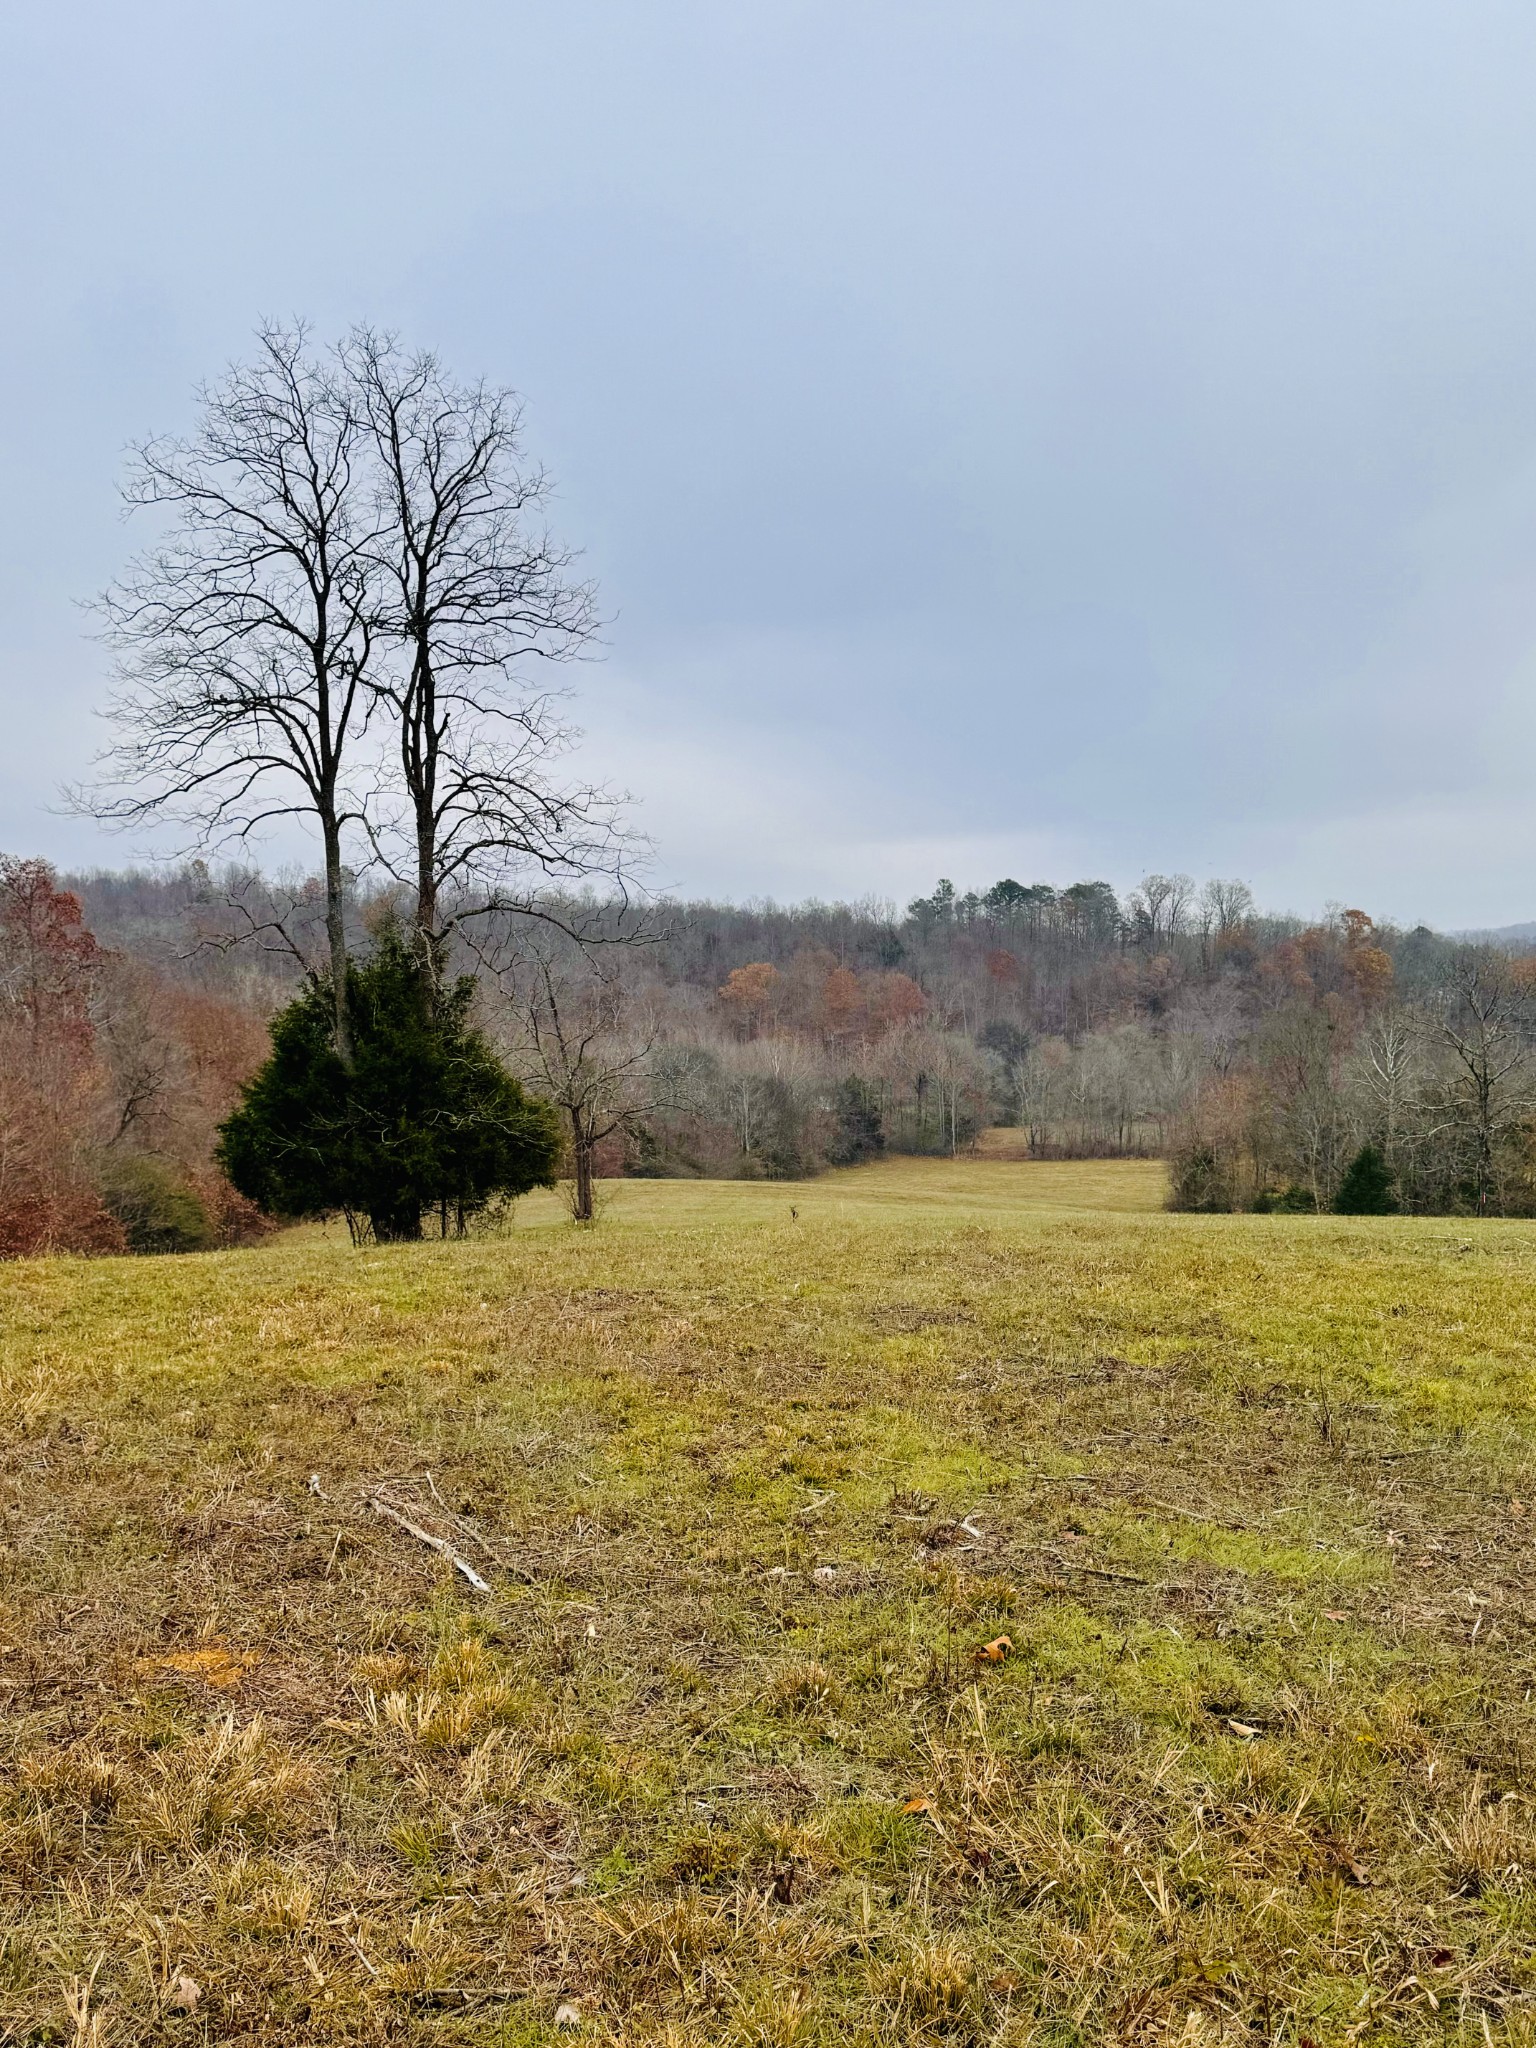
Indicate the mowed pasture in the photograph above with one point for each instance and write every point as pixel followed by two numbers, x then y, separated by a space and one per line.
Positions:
pixel 944 1602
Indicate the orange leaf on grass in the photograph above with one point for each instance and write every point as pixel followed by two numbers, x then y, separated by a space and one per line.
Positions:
pixel 215 1665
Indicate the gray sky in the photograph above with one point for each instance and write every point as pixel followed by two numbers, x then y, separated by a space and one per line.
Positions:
pixel 1050 439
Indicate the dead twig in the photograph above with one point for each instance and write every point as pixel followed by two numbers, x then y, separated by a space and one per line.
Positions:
pixel 440 1544
pixel 461 1529
pixel 1100 1571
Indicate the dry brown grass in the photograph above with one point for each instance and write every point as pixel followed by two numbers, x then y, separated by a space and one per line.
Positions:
pixel 717 1759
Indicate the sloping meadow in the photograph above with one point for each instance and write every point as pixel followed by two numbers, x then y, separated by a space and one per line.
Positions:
pixel 860 1624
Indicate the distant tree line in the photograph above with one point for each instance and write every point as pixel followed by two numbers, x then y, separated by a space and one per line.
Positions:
pixel 1277 1065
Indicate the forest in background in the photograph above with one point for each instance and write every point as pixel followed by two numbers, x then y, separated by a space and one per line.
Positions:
pixel 1260 1054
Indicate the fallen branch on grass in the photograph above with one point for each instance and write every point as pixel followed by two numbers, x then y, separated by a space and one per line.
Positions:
pixel 440 1544
pixel 1099 1571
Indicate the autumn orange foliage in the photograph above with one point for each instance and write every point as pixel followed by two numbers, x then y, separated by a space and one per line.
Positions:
pixel 102 1059
pixel 51 1096
pixel 821 999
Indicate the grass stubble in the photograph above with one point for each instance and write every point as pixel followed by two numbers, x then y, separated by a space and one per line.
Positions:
pixel 718 1758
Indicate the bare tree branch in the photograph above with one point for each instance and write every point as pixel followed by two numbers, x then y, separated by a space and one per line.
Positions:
pixel 244 638
pixel 475 602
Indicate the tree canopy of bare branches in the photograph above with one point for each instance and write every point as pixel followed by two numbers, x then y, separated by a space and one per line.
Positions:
pixel 1486 1020
pixel 475 605
pixel 244 636
pixel 577 1037
pixel 354 617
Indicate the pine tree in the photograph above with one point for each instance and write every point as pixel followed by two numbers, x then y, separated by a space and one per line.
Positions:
pixel 426 1120
pixel 1367 1187
pixel 860 1130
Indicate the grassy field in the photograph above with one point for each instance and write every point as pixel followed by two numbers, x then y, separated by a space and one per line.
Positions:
pixel 941 1603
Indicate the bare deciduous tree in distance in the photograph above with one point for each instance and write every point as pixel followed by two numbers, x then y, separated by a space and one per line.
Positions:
pixel 1160 907
pixel 1221 910
pixel 244 637
pixel 1485 1022
pixel 573 1043
pixel 474 604
pixel 1388 1066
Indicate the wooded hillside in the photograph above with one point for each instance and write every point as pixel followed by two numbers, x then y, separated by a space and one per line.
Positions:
pixel 693 1038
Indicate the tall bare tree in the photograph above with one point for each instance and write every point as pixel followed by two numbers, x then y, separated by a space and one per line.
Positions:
pixel 244 636
pixel 476 605
pixel 1487 1017
pixel 1222 908
pixel 1387 1066
pixel 1160 908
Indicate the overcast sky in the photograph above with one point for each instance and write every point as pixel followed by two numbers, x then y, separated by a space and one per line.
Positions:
pixel 1057 440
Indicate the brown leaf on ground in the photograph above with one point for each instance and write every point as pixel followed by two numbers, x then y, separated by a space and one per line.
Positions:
pixel 1348 1865
pixel 185 1994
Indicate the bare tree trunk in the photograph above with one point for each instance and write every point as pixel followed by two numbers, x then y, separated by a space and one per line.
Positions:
pixel 582 1204
pixel 1484 1140
pixel 336 938
pixel 423 787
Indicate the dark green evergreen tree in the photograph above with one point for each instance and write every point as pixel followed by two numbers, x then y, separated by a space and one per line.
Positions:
pixel 1367 1188
pixel 860 1130
pixel 427 1120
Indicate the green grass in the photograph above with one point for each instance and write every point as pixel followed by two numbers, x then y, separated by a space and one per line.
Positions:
pixel 753 1472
